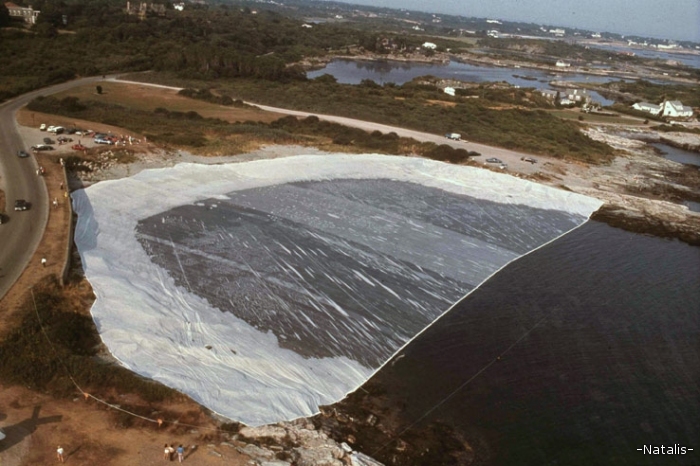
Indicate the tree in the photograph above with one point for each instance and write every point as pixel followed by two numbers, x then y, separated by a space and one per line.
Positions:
pixel 99 89
pixel 4 15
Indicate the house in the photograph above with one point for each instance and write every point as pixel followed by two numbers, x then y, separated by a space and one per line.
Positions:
pixel 675 109
pixel 576 95
pixel 563 64
pixel 647 107
pixel 429 45
pixel 549 94
pixel 145 9
pixel 558 32
pixel 28 14
pixel 450 91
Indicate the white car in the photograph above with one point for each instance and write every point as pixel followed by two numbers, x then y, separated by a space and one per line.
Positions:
pixel 2 435
pixel 42 127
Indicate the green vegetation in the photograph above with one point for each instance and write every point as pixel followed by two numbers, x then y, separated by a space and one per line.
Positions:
pixel 192 131
pixel 426 108
pixel 54 343
pixel 656 93
pixel 546 51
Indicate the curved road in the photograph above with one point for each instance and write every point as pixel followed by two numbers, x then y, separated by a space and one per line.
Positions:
pixel 21 232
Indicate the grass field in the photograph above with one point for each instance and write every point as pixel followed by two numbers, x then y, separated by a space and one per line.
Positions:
pixel 597 119
pixel 149 98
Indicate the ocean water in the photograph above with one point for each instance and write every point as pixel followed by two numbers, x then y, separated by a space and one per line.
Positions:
pixel 579 353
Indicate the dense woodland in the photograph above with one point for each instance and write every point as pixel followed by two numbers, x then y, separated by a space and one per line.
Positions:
pixel 98 37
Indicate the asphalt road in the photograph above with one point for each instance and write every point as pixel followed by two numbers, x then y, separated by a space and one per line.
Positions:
pixel 21 232
pixel 508 156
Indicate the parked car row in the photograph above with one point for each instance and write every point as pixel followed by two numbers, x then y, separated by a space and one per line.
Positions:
pixel 61 130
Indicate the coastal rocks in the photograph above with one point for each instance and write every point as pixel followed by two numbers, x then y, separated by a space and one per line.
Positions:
pixel 614 140
pixel 686 141
pixel 297 443
pixel 650 223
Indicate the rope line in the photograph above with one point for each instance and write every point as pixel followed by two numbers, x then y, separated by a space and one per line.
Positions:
pixel 99 400
pixel 454 392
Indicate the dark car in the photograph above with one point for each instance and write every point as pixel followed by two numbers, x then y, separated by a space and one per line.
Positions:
pixel 40 147
pixel 49 141
pixel 22 154
pixel 21 204
pixel 529 159
pixel 494 160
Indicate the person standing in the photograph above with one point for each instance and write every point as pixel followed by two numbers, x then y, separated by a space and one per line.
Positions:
pixel 180 453
pixel 166 453
pixel 59 453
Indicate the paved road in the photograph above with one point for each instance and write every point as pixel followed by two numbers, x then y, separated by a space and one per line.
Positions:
pixel 506 155
pixel 21 232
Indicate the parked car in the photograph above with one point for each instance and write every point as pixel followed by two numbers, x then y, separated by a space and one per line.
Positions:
pixel 42 127
pixel 22 154
pixel 49 141
pixel 102 141
pixel 2 219
pixel 40 147
pixel 21 204
pixel 494 160
pixel 78 147
pixel 56 129
pixel 529 159
pixel 64 139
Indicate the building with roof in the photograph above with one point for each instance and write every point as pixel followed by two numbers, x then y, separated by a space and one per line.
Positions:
pixel 28 14
pixel 675 109
pixel 647 107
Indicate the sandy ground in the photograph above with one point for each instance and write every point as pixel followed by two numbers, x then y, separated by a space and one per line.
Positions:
pixel 90 434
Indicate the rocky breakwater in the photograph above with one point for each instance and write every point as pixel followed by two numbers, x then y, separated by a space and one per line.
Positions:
pixel 686 141
pixel 296 443
pixel 643 192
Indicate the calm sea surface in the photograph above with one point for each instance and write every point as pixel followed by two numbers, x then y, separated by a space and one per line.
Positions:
pixel 354 71
pixel 678 155
pixel 578 354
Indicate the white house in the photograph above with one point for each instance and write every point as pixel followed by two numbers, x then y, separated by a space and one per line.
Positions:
pixel 429 45
pixel 558 32
pixel 563 64
pixel 450 91
pixel 647 107
pixel 29 15
pixel 549 94
pixel 675 109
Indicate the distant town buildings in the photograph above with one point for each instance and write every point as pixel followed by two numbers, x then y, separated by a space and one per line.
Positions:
pixel 558 32
pixel 143 9
pixel 28 14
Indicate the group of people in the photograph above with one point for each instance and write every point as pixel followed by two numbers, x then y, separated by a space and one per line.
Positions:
pixel 170 451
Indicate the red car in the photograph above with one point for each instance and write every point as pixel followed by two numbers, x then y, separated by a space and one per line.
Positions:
pixel 78 147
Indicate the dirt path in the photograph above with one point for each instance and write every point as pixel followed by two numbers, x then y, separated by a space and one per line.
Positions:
pixel 90 434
